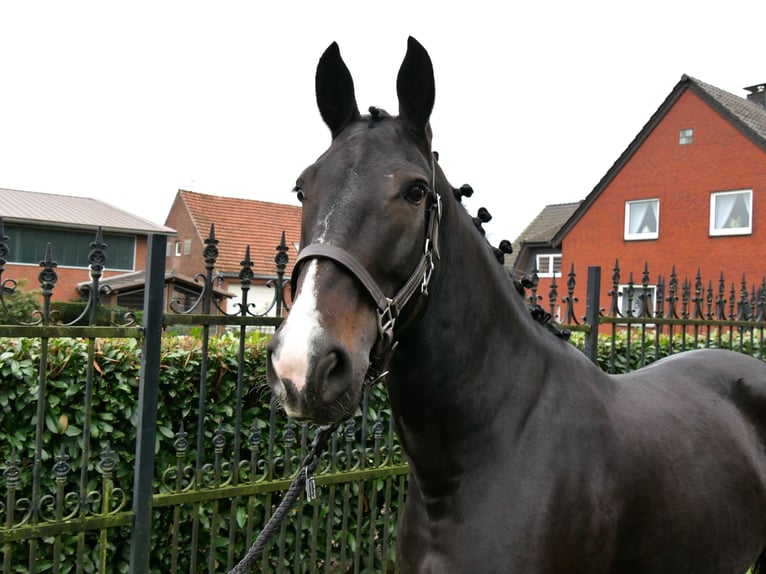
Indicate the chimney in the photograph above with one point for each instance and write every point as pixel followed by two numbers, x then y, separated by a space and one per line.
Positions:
pixel 757 94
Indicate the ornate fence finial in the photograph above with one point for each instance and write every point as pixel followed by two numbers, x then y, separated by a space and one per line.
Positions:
pixel 246 272
pixel 47 278
pixel 210 253
pixel 743 305
pixel 645 309
pixel 570 299
pixel 698 296
pixel 281 260
pixel 659 311
pixel 720 301
pixel 672 297
pixel 614 309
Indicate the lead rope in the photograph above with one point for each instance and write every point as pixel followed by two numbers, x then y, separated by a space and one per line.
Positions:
pixel 304 476
pixel 304 479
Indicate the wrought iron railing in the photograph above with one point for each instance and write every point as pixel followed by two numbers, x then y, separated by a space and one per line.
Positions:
pixel 667 315
pixel 74 510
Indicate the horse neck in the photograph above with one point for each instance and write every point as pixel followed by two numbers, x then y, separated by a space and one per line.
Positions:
pixel 457 366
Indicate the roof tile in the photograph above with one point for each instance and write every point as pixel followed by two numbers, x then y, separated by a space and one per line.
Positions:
pixel 240 223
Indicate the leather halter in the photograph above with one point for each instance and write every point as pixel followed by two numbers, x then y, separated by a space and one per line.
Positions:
pixel 388 308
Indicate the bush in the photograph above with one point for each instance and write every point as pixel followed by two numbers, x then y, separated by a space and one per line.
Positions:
pixel 113 429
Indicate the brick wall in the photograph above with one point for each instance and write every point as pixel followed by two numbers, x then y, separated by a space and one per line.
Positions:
pixel 682 176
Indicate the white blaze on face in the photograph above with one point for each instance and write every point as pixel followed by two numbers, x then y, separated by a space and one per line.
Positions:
pixel 299 333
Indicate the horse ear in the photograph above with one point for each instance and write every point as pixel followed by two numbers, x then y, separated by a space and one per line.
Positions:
pixel 335 91
pixel 415 88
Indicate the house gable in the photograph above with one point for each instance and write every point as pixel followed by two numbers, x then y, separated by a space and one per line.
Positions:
pixel 679 171
pixel 748 117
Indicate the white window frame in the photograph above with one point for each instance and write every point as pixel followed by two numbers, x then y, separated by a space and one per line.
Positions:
pixel 551 257
pixel 638 236
pixel 685 137
pixel 717 224
pixel 177 248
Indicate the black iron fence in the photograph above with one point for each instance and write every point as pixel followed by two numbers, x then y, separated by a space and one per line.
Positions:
pixel 657 315
pixel 202 486
pixel 96 485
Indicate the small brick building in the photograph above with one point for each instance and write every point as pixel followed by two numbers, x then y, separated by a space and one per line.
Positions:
pixel 238 224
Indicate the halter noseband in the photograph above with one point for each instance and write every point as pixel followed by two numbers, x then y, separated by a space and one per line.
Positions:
pixel 388 308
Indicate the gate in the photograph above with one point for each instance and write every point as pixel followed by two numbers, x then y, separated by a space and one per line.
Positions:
pixel 201 486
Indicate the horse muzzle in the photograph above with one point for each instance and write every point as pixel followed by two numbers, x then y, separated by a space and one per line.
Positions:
pixel 317 360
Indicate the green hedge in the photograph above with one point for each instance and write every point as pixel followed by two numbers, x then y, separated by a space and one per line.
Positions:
pixel 114 416
pixel 114 409
pixel 629 350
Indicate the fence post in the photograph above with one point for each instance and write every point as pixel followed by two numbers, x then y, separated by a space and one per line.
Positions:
pixel 148 392
pixel 592 312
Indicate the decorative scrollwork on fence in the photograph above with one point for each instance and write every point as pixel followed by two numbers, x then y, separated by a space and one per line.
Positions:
pixel 208 300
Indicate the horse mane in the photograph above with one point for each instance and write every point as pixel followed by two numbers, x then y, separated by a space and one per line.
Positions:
pixel 539 315
pixel 376 115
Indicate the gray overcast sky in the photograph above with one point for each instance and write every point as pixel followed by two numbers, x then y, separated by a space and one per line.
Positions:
pixel 129 101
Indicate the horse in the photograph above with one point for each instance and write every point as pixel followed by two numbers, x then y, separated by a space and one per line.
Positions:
pixel 524 456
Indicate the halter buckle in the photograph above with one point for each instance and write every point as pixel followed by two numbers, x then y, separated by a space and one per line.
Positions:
pixel 428 270
pixel 387 318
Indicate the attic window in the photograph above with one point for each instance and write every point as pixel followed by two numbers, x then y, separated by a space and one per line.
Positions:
pixel 685 137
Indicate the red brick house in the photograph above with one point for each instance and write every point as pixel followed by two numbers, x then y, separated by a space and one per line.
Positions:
pixel 689 192
pixel 32 220
pixel 238 224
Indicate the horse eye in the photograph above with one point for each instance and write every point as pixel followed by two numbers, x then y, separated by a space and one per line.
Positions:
pixel 299 193
pixel 414 194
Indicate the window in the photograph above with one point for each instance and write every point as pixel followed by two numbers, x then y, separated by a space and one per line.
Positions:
pixel 642 219
pixel 177 248
pixel 631 304
pixel 685 137
pixel 731 212
pixel 68 248
pixel 549 265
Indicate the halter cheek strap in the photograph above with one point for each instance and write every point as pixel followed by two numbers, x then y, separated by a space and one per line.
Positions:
pixel 388 308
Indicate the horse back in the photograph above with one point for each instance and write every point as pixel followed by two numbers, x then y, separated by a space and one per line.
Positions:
pixel 690 433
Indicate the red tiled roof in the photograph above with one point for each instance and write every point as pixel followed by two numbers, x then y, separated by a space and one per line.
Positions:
pixel 242 222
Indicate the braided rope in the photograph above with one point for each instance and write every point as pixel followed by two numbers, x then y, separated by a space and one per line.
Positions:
pixel 310 464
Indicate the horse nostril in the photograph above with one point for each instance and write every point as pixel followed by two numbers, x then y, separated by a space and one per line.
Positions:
pixel 333 374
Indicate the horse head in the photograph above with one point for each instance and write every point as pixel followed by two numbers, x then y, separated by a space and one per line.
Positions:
pixel 369 227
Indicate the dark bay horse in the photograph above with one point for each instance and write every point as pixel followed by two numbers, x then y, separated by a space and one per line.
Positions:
pixel 524 456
